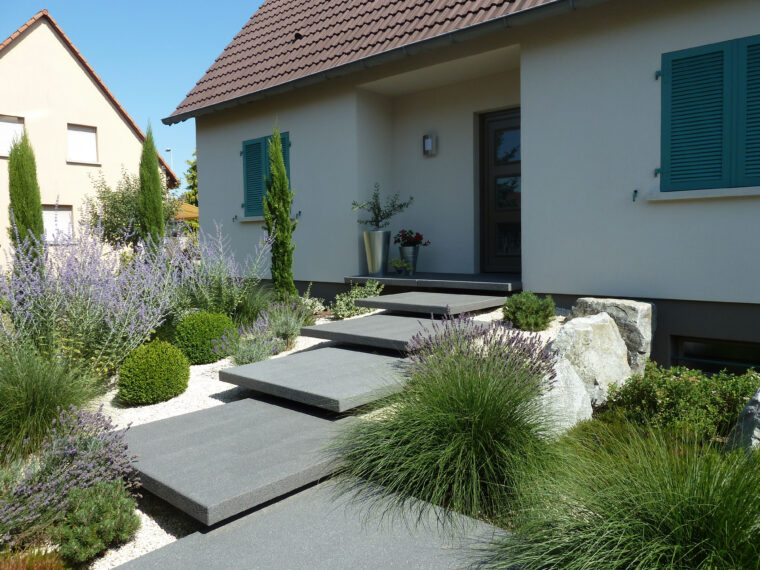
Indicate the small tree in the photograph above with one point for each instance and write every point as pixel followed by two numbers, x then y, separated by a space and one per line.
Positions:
pixel 150 200
pixel 278 223
pixel 191 175
pixel 25 209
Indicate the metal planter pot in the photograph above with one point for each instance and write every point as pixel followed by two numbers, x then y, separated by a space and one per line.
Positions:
pixel 376 244
pixel 409 254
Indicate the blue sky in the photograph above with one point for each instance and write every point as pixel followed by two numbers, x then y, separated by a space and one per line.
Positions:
pixel 149 54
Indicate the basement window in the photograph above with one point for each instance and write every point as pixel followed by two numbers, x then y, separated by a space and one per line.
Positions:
pixel 715 355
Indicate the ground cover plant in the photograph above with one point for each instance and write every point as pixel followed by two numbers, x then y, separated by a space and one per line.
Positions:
pixel 197 333
pixel 683 399
pixel 344 305
pixel 631 497
pixel 250 344
pixel 154 372
pixel 457 435
pixel 528 312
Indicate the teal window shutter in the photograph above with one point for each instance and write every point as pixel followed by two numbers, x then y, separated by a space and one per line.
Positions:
pixel 748 116
pixel 255 165
pixel 697 106
pixel 285 137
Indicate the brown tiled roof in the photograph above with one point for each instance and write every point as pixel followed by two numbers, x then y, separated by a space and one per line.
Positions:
pixel 172 181
pixel 286 40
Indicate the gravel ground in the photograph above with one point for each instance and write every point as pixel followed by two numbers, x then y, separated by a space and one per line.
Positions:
pixel 161 523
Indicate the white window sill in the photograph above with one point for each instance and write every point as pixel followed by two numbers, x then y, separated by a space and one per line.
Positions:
pixel 711 194
pixel 78 163
pixel 249 219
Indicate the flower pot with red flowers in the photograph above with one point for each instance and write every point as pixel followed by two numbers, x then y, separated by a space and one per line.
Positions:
pixel 409 243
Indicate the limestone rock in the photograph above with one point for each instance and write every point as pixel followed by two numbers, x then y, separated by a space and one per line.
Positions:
pixel 567 401
pixel 635 321
pixel 746 434
pixel 596 350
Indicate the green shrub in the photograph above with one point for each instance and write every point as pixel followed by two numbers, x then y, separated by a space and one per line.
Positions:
pixel 33 389
pixel 286 319
pixel 638 498
pixel 685 399
pixel 344 305
pixel 196 332
pixel 528 312
pixel 153 373
pixel 464 425
pixel 251 344
pixel 98 517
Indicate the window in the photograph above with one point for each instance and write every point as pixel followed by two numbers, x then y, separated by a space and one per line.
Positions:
pixel 715 355
pixel 58 223
pixel 11 128
pixel 711 116
pixel 82 144
pixel 256 170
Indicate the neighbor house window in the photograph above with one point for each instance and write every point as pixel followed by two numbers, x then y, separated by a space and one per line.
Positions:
pixel 11 129
pixel 58 223
pixel 256 170
pixel 82 144
pixel 711 116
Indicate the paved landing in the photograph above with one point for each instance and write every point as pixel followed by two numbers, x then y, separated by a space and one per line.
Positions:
pixel 432 303
pixel 390 332
pixel 314 530
pixel 216 463
pixel 334 379
pixel 495 282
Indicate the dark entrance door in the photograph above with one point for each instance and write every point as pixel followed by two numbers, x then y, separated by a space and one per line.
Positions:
pixel 500 192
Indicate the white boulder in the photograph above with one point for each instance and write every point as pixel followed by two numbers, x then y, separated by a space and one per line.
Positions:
pixel 567 401
pixel 746 434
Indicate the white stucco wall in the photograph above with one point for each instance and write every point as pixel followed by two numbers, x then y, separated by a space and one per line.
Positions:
pixel 43 83
pixel 591 135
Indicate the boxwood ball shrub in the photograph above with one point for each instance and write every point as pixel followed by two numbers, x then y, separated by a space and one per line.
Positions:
pixel 637 498
pixel 465 423
pixel 153 373
pixel 528 312
pixel 196 335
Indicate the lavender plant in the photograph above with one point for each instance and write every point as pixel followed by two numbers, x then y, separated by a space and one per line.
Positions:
pixel 252 344
pixel 80 302
pixel 81 450
pixel 458 433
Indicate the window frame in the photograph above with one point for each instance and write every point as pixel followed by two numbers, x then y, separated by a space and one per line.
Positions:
pixel 19 120
pixel 69 159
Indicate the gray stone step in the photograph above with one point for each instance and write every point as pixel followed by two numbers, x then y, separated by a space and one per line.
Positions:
pixel 314 530
pixel 334 379
pixel 390 332
pixel 216 463
pixel 432 303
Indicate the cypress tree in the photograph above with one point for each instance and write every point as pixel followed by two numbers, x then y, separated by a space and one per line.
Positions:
pixel 279 226
pixel 25 209
pixel 150 206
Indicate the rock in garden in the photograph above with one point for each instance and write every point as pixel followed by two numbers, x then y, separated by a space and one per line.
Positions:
pixel 635 321
pixel 596 350
pixel 746 434
pixel 567 401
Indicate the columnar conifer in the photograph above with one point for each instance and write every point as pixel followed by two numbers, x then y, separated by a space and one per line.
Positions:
pixel 150 199
pixel 25 208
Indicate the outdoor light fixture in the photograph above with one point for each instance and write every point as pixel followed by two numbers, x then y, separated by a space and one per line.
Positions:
pixel 429 144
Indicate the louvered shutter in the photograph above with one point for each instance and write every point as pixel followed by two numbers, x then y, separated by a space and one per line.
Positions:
pixel 696 118
pixel 254 171
pixel 748 116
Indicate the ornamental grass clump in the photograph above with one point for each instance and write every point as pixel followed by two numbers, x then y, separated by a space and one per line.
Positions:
pixel 466 421
pixel 250 344
pixel 637 498
pixel 286 319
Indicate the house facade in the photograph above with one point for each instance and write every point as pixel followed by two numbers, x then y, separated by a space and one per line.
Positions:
pixel 603 148
pixel 76 126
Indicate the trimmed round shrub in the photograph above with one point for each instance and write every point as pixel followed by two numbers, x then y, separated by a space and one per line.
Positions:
pixel 197 335
pixel 528 312
pixel 153 373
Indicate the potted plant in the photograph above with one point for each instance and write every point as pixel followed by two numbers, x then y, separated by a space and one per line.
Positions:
pixel 377 240
pixel 409 243
pixel 401 266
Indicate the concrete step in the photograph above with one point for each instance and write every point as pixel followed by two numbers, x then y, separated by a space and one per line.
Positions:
pixel 314 530
pixel 432 303
pixel 389 332
pixel 334 379
pixel 216 463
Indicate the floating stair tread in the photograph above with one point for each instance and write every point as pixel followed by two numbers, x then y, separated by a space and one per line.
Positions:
pixel 432 303
pixel 390 332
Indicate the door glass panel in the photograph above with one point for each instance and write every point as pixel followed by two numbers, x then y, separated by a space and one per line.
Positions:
pixel 507 192
pixel 507 146
pixel 508 237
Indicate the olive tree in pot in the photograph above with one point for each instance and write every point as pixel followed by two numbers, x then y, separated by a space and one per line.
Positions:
pixel 377 240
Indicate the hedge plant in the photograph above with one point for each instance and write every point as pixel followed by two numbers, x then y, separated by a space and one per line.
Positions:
pixel 153 373
pixel 528 312
pixel 196 335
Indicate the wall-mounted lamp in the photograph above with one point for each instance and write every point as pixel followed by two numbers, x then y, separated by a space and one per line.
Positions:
pixel 429 144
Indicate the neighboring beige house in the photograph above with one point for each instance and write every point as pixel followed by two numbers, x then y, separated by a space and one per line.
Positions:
pixel 605 148
pixel 77 127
